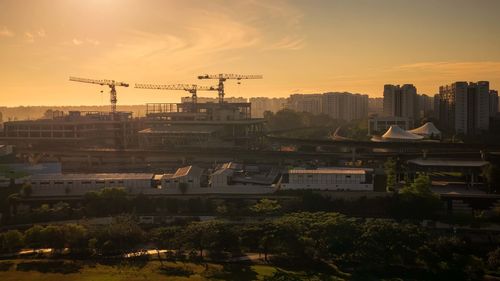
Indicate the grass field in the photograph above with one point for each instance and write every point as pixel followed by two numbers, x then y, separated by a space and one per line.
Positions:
pixel 61 270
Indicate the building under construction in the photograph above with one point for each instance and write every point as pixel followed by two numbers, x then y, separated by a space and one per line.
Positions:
pixel 76 128
pixel 188 124
pixel 200 125
pixel 165 126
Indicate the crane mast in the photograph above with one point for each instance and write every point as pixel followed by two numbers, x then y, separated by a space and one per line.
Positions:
pixel 104 82
pixel 223 77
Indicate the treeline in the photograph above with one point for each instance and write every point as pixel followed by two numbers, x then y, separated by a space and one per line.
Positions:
pixel 114 201
pixel 314 126
pixel 378 246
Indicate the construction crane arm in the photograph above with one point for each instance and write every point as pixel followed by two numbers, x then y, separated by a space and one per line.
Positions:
pixel 184 87
pixel 229 76
pixel 102 82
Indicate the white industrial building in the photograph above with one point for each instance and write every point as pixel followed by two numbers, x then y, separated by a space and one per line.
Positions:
pixel 80 184
pixel 341 179
pixel 189 175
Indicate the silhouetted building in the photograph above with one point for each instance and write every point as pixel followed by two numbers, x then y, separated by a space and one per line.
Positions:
pixel 306 103
pixel 464 108
pixel 493 103
pixel 262 104
pixel 345 106
pixel 401 101
pixel 376 106
pixel 425 105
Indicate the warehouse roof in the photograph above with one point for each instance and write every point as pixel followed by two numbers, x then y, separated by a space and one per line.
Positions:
pixel 90 177
pixel 340 171
pixel 448 163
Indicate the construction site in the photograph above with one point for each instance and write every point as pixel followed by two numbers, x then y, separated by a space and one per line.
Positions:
pixel 166 126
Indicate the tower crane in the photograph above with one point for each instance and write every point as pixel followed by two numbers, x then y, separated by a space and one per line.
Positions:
pixel 223 77
pixel 191 88
pixel 104 82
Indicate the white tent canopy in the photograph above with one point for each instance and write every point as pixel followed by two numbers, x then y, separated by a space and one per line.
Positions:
pixel 428 129
pixel 396 133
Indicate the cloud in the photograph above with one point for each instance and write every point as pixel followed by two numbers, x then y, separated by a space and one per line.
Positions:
pixel 41 33
pixel 454 68
pixel 287 43
pixel 92 41
pixel 77 42
pixel 5 32
pixel 30 38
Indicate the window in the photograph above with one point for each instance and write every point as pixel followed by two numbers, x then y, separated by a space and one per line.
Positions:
pixel 86 182
pixel 58 182
pixel 190 180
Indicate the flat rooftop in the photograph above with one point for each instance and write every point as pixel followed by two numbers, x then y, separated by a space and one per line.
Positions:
pixel 448 163
pixel 90 177
pixel 340 171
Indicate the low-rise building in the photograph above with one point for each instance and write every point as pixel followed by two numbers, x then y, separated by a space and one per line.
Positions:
pixel 80 184
pixel 341 179
pixel 378 125
pixel 189 177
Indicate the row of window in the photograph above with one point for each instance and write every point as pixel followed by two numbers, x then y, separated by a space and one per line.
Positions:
pixel 83 182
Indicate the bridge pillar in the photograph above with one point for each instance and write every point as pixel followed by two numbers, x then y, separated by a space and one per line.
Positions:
pixel 353 155
pixel 483 154
pixel 89 160
pixel 424 153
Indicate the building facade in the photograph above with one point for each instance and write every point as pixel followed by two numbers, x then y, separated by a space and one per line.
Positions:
pixel 401 101
pixel 341 179
pixel 263 104
pixel 493 103
pixel 464 108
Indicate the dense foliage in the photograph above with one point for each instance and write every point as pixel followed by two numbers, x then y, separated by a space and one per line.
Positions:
pixel 369 245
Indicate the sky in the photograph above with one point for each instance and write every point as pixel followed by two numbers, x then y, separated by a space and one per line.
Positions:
pixel 302 46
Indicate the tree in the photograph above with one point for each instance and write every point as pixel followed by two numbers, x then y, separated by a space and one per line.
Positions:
pixel 26 190
pixel 450 258
pixel 492 175
pixel 416 200
pixel 11 240
pixel 34 236
pixel 75 236
pixel 384 242
pixel 421 187
pixel 494 260
pixel 390 171
pixel 53 237
pixel 266 207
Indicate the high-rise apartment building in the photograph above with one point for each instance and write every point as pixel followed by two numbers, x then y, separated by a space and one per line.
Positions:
pixel 306 103
pixel 464 108
pixel 263 104
pixel 345 106
pixel 401 101
pixel 376 106
pixel 493 103
pixel 425 105
pixel 342 106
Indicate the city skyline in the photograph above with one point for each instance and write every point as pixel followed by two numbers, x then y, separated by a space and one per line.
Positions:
pixel 299 47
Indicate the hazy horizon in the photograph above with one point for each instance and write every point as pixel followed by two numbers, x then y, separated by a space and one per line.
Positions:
pixel 298 46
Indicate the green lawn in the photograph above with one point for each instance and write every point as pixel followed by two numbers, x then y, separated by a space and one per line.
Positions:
pixel 49 270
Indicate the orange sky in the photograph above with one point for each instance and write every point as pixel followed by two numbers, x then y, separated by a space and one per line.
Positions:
pixel 299 46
